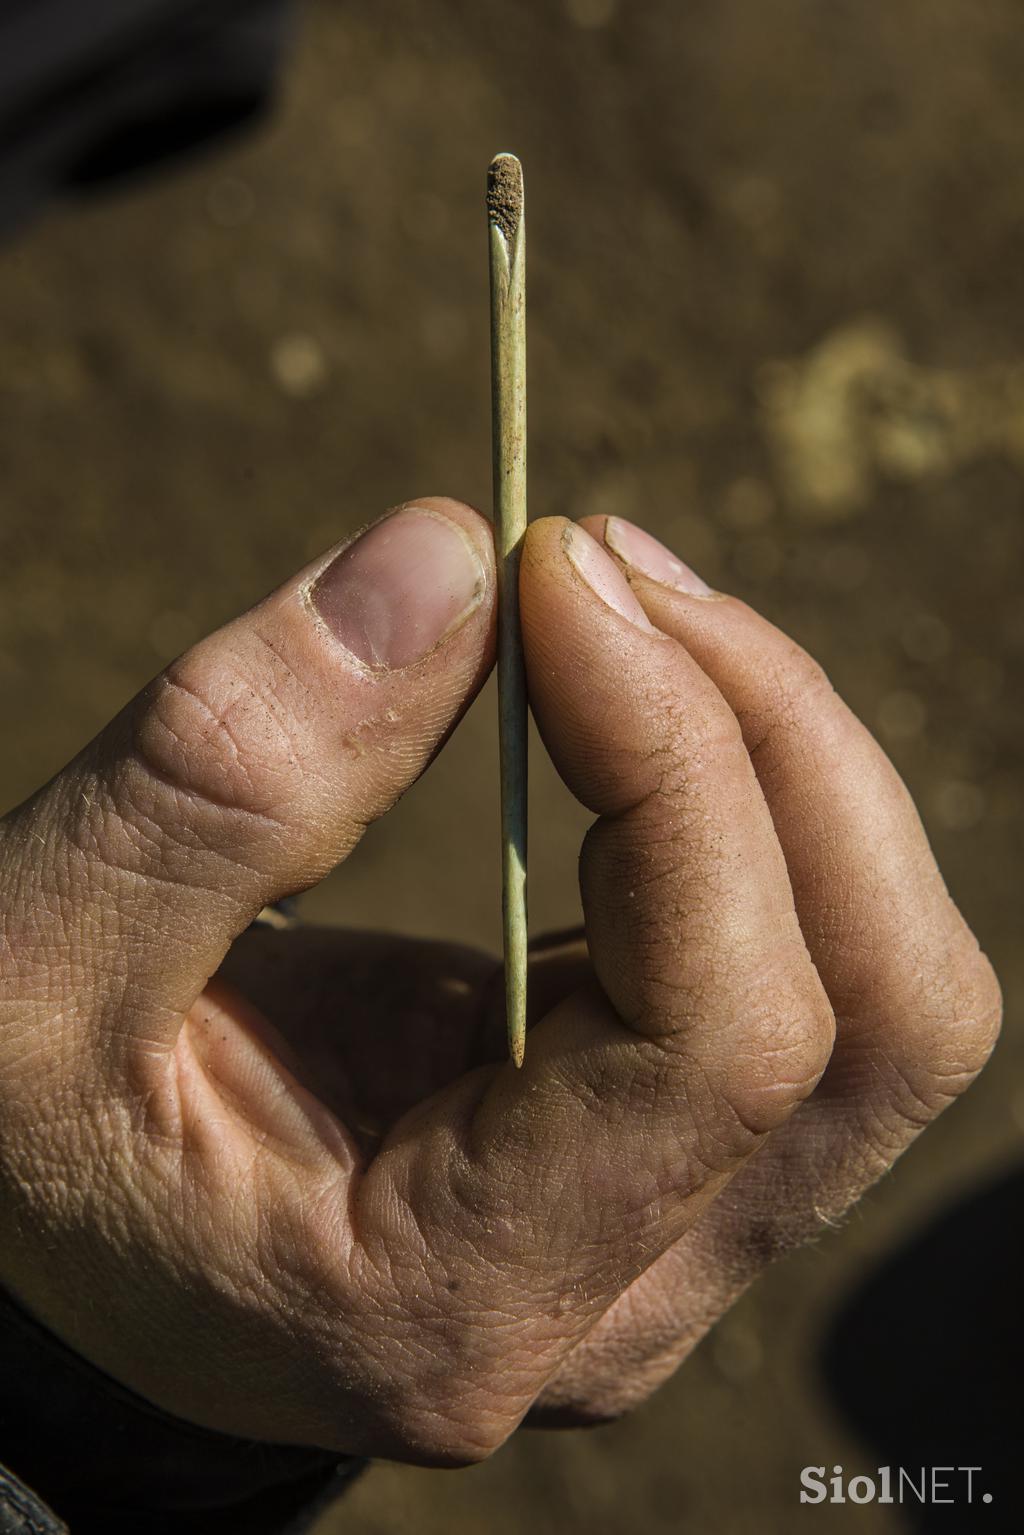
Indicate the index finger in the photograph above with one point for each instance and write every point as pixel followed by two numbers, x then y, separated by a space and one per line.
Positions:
pixel 917 1001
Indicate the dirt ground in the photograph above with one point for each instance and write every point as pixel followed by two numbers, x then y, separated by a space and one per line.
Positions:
pixel 777 288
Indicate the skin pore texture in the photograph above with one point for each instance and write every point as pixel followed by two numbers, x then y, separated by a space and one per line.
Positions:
pixel 285 1184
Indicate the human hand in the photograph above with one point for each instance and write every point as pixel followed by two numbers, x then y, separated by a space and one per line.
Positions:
pixel 291 1203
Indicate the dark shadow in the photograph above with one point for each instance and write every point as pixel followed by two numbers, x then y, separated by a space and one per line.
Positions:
pixel 926 1361
pixel 176 135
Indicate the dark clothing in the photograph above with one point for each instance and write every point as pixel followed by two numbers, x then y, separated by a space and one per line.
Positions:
pixel 108 1463
pixel 92 91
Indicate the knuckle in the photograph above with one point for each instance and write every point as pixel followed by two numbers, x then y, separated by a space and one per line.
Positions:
pixel 697 743
pixel 444 1445
pixel 447 1422
pixel 982 1016
pixel 686 740
pixel 455 1384
pixel 786 1048
pixel 959 1031
pixel 795 683
pixel 900 1068
pixel 212 735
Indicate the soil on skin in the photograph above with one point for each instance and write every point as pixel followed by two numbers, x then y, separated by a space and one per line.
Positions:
pixel 778 322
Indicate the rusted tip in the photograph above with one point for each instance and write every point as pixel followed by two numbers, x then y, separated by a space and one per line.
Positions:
pixel 505 194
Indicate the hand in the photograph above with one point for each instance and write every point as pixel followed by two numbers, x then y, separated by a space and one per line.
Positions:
pixel 307 1200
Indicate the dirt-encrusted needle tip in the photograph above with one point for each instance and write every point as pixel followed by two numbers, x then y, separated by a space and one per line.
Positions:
pixel 505 195
pixel 506 220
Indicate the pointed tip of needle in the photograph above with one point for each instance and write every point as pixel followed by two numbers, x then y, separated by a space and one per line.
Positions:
pixel 517 1050
pixel 505 194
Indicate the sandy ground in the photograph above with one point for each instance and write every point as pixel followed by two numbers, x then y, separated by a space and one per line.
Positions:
pixel 776 299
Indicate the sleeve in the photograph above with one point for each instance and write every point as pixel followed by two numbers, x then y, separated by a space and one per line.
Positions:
pixel 21 1512
pixel 90 1457
pixel 97 92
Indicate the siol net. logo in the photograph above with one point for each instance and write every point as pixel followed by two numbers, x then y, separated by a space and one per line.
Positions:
pixel 893 1484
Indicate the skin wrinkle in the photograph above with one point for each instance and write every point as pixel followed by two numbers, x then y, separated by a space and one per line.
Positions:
pixel 165 742
pixel 91 842
pixel 300 685
pixel 203 798
pixel 144 836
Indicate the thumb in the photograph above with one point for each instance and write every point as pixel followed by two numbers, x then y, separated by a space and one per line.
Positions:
pixel 247 770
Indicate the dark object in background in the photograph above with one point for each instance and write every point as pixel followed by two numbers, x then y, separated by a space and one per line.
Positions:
pixel 926 1361
pixel 95 90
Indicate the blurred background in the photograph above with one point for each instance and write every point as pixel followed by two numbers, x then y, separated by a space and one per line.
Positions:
pixel 776 300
